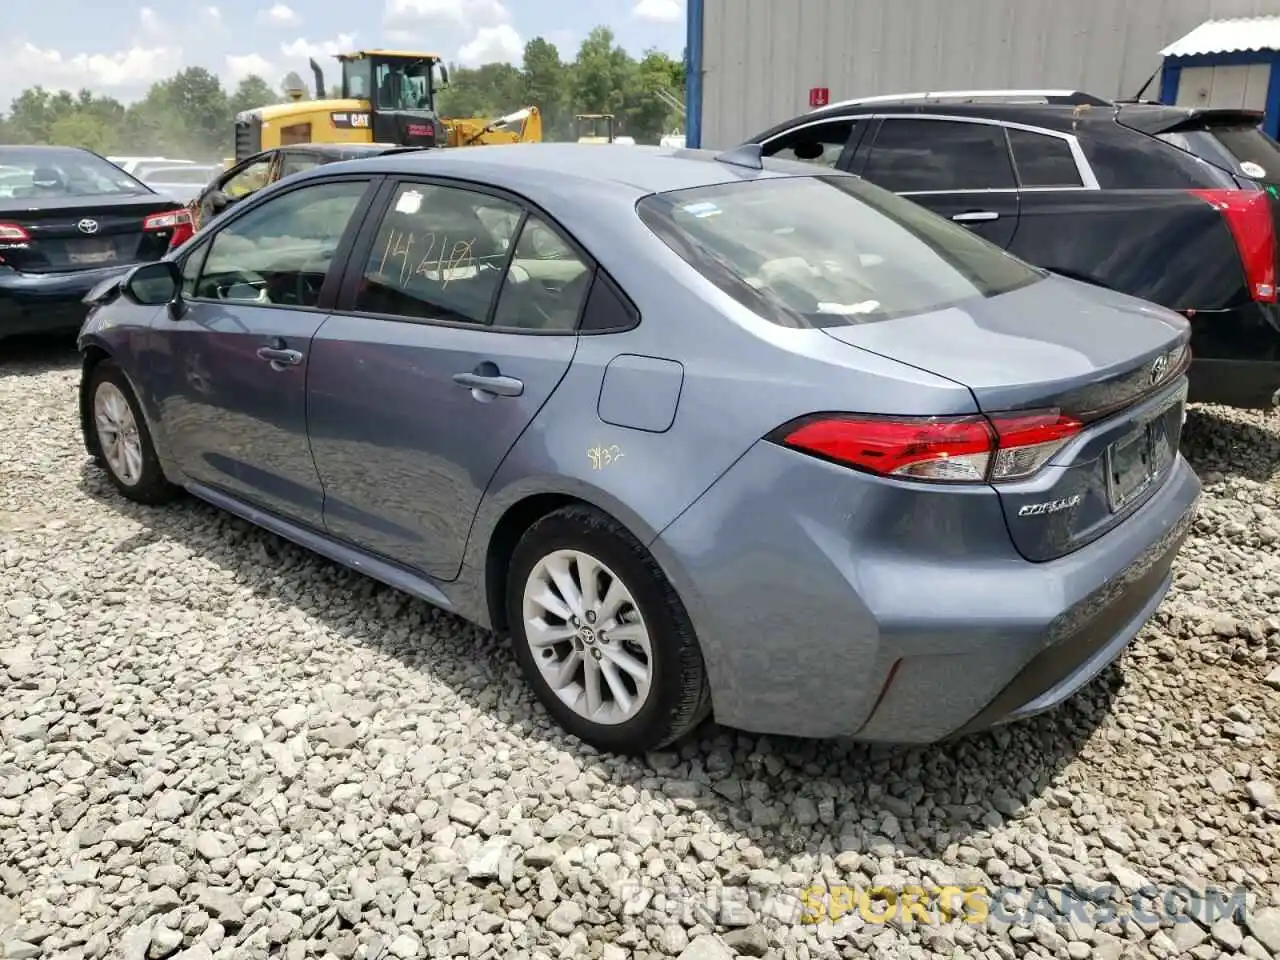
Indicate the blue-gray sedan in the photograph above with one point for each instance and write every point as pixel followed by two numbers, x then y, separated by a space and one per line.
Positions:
pixel 702 435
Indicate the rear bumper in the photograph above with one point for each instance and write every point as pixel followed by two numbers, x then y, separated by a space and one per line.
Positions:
pixel 48 302
pixel 828 605
pixel 1236 356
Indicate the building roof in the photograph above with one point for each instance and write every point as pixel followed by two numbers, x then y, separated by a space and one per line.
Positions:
pixel 1228 36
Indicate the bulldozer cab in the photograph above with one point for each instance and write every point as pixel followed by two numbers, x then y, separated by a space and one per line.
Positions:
pixel 400 88
pixel 594 127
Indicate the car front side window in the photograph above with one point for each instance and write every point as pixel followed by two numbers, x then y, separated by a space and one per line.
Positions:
pixel 440 254
pixel 821 144
pixel 280 252
pixel 939 155
pixel 247 181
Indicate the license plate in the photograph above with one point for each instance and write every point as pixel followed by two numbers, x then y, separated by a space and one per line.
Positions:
pixel 92 252
pixel 1131 466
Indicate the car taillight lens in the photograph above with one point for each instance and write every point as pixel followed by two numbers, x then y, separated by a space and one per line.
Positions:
pixel 179 221
pixel 1248 215
pixel 12 233
pixel 977 449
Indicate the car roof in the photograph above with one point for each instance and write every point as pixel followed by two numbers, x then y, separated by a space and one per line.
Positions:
pixel 553 171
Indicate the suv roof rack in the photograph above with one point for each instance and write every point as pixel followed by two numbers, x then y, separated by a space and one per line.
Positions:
pixel 1067 97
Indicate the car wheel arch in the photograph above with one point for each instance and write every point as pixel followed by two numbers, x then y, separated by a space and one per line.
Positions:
pixel 93 355
pixel 511 525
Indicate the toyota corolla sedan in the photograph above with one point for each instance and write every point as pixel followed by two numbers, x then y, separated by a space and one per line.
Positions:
pixel 701 433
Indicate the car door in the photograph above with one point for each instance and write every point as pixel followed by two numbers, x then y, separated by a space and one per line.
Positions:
pixel 959 168
pixel 232 362
pixel 455 325
pixel 238 183
pixel 825 143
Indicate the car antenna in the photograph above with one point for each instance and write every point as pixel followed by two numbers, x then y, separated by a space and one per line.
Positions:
pixel 747 155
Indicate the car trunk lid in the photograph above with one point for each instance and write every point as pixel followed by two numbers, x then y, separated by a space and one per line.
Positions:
pixel 62 234
pixel 1111 362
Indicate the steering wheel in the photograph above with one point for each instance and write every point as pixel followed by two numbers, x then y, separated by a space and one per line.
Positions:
pixel 249 287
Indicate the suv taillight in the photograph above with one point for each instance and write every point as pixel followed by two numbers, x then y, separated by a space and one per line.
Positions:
pixel 974 449
pixel 1248 215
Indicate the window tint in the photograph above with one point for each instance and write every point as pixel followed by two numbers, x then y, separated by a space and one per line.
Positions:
pixel 191 269
pixel 1241 148
pixel 296 163
pixel 821 144
pixel 280 252
pixel 1139 163
pixel 939 155
pixel 1043 161
pixel 829 250
pixel 251 178
pixel 439 254
pixel 546 283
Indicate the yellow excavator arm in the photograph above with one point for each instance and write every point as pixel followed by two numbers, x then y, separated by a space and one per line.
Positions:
pixel 523 126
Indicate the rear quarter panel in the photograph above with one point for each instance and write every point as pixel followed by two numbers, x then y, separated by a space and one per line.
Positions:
pixel 742 377
pixel 1166 246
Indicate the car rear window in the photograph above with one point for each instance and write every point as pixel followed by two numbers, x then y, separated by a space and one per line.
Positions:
pixel 1240 148
pixel 827 251
pixel 33 174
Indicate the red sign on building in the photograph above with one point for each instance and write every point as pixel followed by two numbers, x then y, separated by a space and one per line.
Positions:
pixel 819 96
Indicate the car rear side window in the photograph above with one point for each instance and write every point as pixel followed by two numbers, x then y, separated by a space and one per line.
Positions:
pixel 546 283
pixel 917 155
pixel 829 250
pixel 440 254
pixel 1042 160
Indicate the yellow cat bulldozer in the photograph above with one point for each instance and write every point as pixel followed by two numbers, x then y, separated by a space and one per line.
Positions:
pixel 388 96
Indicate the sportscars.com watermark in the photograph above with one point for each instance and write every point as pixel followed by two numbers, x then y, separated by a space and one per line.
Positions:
pixel 935 905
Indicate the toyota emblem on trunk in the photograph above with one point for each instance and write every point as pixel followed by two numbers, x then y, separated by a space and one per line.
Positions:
pixel 88 226
pixel 1158 368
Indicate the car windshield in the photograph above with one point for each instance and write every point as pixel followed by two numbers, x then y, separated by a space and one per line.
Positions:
pixel 1240 148
pixel 36 174
pixel 826 251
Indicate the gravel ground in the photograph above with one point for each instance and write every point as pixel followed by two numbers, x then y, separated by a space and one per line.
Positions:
pixel 217 745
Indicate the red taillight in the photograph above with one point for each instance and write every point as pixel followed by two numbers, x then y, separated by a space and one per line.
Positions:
pixel 12 233
pixel 992 449
pixel 179 221
pixel 1248 215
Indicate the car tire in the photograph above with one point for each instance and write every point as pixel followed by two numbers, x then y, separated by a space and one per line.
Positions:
pixel 676 696
pixel 125 449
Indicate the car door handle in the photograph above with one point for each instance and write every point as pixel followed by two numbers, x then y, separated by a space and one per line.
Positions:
pixel 976 216
pixel 495 385
pixel 280 357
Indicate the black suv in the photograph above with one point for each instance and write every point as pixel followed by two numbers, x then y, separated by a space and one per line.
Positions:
pixel 1174 205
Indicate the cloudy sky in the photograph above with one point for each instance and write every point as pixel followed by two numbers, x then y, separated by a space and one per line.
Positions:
pixel 119 47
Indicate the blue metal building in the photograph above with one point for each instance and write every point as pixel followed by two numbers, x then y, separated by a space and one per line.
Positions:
pixel 1226 63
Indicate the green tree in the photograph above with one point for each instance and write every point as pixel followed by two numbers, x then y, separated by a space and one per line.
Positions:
pixel 602 75
pixel 250 93
pixel 546 81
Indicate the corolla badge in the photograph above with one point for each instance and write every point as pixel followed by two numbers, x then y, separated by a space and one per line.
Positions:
pixel 1158 369
pixel 1049 506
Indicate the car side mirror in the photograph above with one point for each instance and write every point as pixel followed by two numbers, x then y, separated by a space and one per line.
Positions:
pixel 153 284
pixel 219 201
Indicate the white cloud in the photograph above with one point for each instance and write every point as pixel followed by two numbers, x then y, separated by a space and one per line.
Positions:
pixel 150 21
pixel 280 15
pixel 500 44
pixel 302 49
pixel 659 11
pixel 121 73
pixel 249 64
pixel 457 12
pixel 213 14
